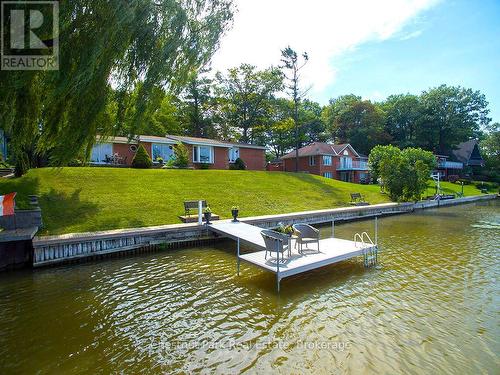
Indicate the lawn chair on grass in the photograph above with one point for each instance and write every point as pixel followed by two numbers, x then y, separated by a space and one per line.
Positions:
pixel 306 234
pixel 276 243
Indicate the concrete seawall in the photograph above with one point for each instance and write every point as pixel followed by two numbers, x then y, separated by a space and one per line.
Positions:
pixel 57 249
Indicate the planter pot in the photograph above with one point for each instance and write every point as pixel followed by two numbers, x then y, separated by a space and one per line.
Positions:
pixel 208 216
pixel 235 215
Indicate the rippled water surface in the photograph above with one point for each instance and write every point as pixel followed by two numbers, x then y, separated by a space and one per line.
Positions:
pixel 431 306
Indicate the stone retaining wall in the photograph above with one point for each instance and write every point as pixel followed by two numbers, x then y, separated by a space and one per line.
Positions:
pixel 57 249
pixel 22 219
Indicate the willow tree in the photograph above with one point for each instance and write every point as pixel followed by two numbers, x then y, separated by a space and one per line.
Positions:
pixel 106 47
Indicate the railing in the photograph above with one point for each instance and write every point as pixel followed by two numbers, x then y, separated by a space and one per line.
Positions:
pixel 352 165
pixel 450 165
pixel 370 250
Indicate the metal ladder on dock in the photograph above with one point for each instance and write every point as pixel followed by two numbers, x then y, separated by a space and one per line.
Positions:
pixel 370 253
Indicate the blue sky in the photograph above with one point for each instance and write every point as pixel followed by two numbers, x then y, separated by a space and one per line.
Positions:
pixel 373 48
pixel 456 43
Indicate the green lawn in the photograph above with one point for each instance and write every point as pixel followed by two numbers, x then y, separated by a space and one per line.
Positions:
pixel 89 199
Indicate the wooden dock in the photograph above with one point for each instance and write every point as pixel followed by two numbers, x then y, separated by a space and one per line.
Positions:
pixel 331 250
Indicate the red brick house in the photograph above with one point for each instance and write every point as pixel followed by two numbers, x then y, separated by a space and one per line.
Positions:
pixel 340 162
pixel 217 154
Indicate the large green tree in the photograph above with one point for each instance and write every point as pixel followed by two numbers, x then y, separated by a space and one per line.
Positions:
pixel 244 94
pixel 349 119
pixel 197 106
pixel 450 115
pixel 312 128
pixel 278 131
pixel 134 44
pixel 490 150
pixel 403 113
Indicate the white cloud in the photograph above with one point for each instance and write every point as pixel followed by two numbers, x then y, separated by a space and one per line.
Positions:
pixel 411 35
pixel 326 29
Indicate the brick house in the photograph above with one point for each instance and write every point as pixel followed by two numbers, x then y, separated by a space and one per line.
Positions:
pixel 340 162
pixel 217 154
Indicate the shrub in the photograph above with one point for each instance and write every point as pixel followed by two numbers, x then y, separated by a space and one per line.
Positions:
pixel 453 178
pixel 404 173
pixel 76 163
pixel 490 186
pixel 21 165
pixel 376 155
pixel 204 166
pixel 465 181
pixel 238 164
pixel 181 156
pixel 142 159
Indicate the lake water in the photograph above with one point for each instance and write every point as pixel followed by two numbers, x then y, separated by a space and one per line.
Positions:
pixel 431 306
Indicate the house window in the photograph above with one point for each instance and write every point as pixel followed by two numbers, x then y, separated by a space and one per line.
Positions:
pixel 312 161
pixel 203 154
pixel 346 153
pixel 101 152
pixel 328 175
pixel 162 150
pixel 345 162
pixel 327 160
pixel 234 153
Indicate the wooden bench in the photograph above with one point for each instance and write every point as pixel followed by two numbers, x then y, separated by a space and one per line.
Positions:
pixel 193 205
pixel 358 200
pixel 191 212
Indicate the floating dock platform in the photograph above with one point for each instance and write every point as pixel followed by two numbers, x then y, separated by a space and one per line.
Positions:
pixel 331 250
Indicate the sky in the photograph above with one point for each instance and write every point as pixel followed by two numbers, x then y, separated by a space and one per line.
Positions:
pixel 373 48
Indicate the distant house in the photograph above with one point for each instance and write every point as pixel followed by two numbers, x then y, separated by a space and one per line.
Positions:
pixel 447 168
pixel 469 154
pixel 340 162
pixel 217 154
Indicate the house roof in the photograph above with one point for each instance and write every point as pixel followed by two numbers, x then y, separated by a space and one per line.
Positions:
pixel 320 148
pixel 464 151
pixel 172 139
pixel 104 139
pixel 210 142
pixel 155 139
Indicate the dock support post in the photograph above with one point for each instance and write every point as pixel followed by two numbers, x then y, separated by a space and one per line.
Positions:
pixel 277 267
pixel 333 228
pixel 238 256
pixel 200 212
pixel 376 239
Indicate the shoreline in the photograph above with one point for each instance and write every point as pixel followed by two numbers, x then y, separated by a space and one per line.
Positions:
pixel 57 249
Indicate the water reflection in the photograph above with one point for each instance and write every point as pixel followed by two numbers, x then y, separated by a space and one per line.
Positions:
pixel 431 305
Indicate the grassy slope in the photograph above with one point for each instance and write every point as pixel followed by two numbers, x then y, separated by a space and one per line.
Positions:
pixel 88 199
